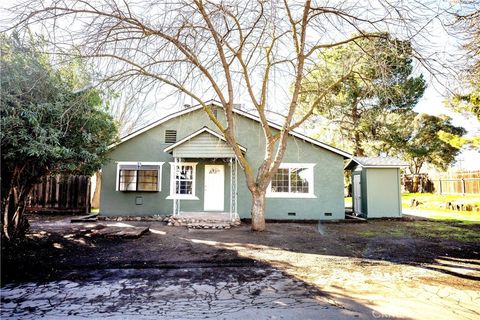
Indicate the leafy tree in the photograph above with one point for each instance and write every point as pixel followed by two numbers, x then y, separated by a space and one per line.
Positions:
pixel 469 102
pixel 418 139
pixel 48 123
pixel 378 80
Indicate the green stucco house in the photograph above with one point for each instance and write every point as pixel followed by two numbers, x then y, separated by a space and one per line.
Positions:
pixel 181 164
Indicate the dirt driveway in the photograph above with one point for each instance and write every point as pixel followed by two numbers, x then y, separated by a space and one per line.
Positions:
pixel 379 269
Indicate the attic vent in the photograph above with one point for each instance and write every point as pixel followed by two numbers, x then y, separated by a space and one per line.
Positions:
pixel 170 136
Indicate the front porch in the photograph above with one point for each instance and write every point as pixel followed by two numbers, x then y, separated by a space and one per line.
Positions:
pixel 203 184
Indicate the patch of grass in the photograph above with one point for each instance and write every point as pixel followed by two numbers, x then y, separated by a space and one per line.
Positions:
pixel 448 230
pixel 436 202
pixel 368 233
pixel 391 232
pixel 462 231
pixel 348 201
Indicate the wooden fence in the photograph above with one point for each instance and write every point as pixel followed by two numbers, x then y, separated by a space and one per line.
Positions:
pixel 69 194
pixel 457 183
pixel 453 183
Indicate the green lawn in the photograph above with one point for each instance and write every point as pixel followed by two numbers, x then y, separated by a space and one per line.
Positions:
pixel 348 201
pixel 435 203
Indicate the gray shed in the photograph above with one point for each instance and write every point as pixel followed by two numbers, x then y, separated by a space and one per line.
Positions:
pixel 376 186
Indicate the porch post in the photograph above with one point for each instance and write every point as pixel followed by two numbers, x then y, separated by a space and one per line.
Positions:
pixel 176 201
pixel 235 208
pixel 233 188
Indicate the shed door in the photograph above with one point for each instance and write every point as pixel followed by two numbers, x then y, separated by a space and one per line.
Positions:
pixel 357 194
pixel 214 188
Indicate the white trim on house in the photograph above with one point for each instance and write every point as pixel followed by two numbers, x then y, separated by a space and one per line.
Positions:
pixel 310 178
pixel 240 112
pixel 384 167
pixel 139 165
pixel 173 195
pixel 196 133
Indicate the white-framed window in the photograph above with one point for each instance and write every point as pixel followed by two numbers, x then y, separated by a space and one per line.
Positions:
pixel 139 176
pixel 292 180
pixel 183 180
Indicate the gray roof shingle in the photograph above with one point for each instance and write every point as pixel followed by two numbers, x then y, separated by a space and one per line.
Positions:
pixel 389 162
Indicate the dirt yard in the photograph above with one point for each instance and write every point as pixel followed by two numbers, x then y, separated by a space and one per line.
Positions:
pixel 398 269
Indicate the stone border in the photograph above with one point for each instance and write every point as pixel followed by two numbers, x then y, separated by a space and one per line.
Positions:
pixel 134 218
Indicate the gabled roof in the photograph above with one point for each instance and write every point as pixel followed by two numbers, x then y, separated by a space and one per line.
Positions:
pixel 376 162
pixel 196 133
pixel 345 154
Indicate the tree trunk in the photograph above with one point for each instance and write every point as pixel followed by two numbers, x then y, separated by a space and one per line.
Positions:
pixel 258 211
pixel 356 138
pixel 414 183
pixel 15 225
pixel 359 152
pixel 5 214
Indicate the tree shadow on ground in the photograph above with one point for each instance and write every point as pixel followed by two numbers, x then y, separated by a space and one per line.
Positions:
pixel 443 246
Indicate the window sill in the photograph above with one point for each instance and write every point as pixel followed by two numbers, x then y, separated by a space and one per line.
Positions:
pixel 291 195
pixel 182 197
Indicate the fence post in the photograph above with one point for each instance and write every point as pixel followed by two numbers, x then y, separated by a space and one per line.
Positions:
pixel 463 186
pixel 440 184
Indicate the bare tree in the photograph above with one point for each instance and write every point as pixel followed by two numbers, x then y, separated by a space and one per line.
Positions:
pixel 226 49
pixel 130 105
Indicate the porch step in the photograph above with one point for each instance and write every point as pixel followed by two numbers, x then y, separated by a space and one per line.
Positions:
pixel 208 225
pixel 199 223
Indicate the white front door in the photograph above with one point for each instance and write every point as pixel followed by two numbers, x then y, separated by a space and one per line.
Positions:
pixel 357 194
pixel 214 188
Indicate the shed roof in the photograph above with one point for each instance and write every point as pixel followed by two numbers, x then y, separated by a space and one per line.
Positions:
pixel 376 162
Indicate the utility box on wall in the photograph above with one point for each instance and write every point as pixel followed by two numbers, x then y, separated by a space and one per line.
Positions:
pixel 376 189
